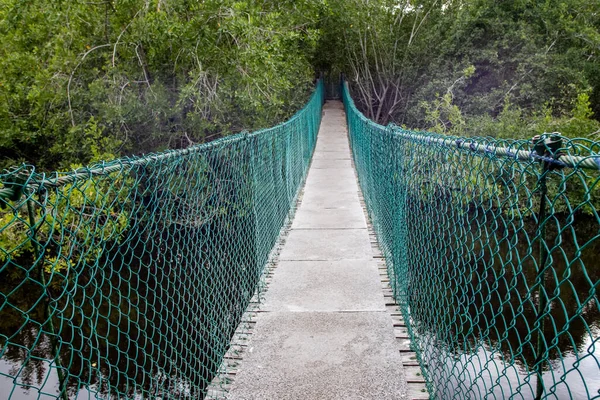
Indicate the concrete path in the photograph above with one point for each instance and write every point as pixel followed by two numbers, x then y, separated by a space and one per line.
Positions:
pixel 324 331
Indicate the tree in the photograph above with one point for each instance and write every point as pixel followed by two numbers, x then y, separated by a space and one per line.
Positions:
pixel 83 81
pixel 401 57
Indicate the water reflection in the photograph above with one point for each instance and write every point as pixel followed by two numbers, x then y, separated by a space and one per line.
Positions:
pixel 35 379
pixel 488 374
pixel 144 307
pixel 137 322
pixel 482 270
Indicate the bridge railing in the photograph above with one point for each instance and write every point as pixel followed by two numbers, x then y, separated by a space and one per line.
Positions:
pixel 492 248
pixel 127 279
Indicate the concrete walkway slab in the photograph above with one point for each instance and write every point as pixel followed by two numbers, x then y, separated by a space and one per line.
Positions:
pixel 312 217
pixel 324 331
pixel 320 356
pixel 302 286
pixel 327 163
pixel 331 186
pixel 332 175
pixel 333 146
pixel 332 155
pixel 334 141
pixel 327 244
pixel 331 169
pixel 338 139
pixel 327 201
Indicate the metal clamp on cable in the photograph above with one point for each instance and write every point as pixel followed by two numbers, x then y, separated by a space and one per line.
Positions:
pixel 547 148
pixel 13 186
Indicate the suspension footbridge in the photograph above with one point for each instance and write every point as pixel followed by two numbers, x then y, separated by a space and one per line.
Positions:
pixel 328 257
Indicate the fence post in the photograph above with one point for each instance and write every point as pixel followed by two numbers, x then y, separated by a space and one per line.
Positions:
pixel 251 182
pixel 39 258
pixel 545 147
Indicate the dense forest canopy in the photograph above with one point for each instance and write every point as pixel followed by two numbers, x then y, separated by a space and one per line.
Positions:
pixel 89 80
pixel 479 67
pixel 82 81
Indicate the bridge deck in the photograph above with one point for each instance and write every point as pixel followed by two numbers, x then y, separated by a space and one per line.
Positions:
pixel 324 332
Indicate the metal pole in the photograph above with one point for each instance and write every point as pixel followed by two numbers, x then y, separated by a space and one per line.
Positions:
pixel 55 350
pixel 542 275
pixel 549 149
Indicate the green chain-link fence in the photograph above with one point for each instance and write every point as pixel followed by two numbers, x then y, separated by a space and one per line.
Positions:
pixel 493 252
pixel 127 279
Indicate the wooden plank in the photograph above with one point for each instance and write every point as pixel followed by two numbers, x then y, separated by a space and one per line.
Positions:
pixel 417 391
pixel 414 374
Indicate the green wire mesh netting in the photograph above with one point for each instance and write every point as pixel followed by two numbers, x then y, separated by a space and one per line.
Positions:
pixel 493 253
pixel 127 279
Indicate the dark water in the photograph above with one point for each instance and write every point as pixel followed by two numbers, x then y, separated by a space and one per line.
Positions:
pixel 151 317
pixel 474 291
pixel 474 307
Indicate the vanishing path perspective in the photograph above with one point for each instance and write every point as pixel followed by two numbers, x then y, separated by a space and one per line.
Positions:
pixel 324 331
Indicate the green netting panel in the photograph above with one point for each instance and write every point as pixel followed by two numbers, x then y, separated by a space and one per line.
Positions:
pixel 493 252
pixel 127 279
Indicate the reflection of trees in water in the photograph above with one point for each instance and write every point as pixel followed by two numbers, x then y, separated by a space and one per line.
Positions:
pixel 154 313
pixel 20 337
pixel 169 318
pixel 33 372
pixel 473 281
pixel 146 321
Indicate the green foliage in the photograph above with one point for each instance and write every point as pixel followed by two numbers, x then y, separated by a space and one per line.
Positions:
pixel 504 244
pixel 442 115
pixel 80 81
pixel 513 122
pixel 95 211
pixel 421 64
pixel 103 265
